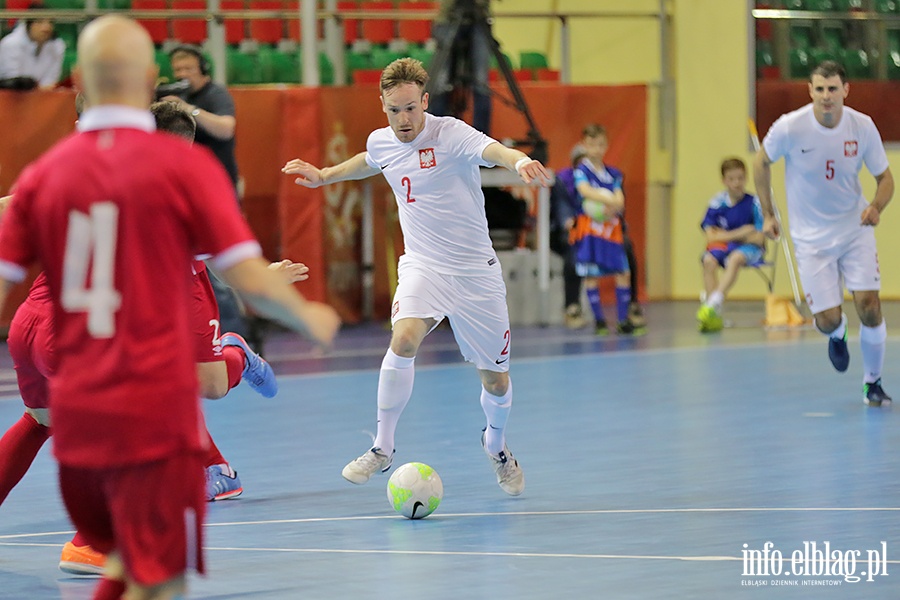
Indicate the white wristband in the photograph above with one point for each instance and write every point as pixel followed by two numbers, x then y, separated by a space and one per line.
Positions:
pixel 522 162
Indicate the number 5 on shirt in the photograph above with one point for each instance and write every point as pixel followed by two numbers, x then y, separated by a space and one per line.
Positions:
pixel 91 242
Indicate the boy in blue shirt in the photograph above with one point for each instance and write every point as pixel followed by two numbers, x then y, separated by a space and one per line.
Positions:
pixel 734 239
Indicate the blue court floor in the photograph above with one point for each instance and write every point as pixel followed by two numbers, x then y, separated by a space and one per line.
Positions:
pixel 676 465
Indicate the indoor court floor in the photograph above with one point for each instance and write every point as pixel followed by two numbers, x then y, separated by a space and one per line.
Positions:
pixel 674 465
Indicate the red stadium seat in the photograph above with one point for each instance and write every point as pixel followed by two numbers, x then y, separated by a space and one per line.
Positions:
pixel 16 5
pixel 235 29
pixel 266 31
pixel 294 26
pixel 378 31
pixel 415 31
pixel 189 31
pixel 546 74
pixel 157 28
pixel 366 76
pixel 351 26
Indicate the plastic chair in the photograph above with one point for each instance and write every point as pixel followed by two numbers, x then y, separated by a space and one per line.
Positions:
pixel 266 31
pixel 157 28
pixel 366 76
pixel 65 4
pixel 242 68
pixel 235 29
pixel 415 31
pixel 378 31
pixel 857 63
pixel 15 5
pixel 532 60
pixel 421 54
pixel 189 31
pixel 351 26
pixel 547 75
pixel 886 6
pixel 799 63
pixel 165 65
pixel 379 58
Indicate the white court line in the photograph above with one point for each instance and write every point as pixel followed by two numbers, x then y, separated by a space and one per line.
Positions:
pixel 701 558
pixel 537 513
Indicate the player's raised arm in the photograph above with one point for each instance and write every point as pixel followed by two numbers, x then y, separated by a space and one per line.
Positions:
pixel 312 177
pixel 520 163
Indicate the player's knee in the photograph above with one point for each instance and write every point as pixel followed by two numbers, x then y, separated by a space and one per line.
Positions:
pixel 41 415
pixel 495 383
pixel 736 260
pixel 213 388
pixel 709 262
pixel 405 342
pixel 828 320
pixel 869 309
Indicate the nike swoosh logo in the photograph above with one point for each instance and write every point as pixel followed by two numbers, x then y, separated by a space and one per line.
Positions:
pixel 805 150
pixel 500 362
pixel 383 167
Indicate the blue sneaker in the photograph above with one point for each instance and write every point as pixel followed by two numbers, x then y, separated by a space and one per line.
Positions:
pixel 220 486
pixel 257 371
pixel 839 353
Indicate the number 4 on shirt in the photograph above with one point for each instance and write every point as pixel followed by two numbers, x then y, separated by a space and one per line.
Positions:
pixel 91 243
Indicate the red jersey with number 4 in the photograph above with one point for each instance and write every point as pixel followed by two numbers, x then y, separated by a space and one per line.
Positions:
pixel 114 216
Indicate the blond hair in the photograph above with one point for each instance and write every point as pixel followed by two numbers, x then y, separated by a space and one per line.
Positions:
pixel 404 70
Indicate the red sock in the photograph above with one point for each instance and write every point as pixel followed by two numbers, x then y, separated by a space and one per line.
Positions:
pixel 78 540
pixel 234 363
pixel 213 456
pixel 18 447
pixel 109 589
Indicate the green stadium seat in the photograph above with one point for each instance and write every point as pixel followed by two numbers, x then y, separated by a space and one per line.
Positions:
pixel 278 67
pixel 893 65
pixel 65 4
pixel 799 63
pixel 420 53
pixel 820 5
pixel 794 5
pixel 379 58
pixel 801 37
pixel 356 61
pixel 833 39
pixel 114 4
pixel 856 62
pixel 165 66
pixel 887 6
pixel 894 39
pixel 69 59
pixel 243 68
pixel 848 5
pixel 532 60
pixel 67 32
pixel 508 61
pixel 819 55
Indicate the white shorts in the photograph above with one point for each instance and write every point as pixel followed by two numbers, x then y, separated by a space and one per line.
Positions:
pixel 474 304
pixel 823 273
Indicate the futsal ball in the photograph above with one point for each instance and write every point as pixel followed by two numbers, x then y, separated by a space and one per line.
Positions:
pixel 415 490
pixel 596 209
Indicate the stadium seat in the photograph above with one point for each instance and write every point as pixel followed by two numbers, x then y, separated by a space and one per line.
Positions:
pixel 278 67
pixel 114 4
pixel 67 32
pixel 189 31
pixel 799 59
pixel 801 37
pixel 415 31
pixel 366 76
pixel 547 75
pixel 506 57
pixel 165 65
pixel 351 26
pixel 887 6
pixel 378 31
pixel 157 28
pixel 69 59
pixel 243 68
pixel 848 5
pixel 379 58
pixel 419 53
pixel 832 39
pixel 856 62
pixel 64 4
pixel 15 5
pixel 893 65
pixel 266 31
pixel 820 5
pixel 235 29
pixel 356 61
pixel 532 60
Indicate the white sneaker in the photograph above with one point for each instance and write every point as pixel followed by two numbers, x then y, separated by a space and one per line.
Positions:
pixel 360 470
pixel 509 473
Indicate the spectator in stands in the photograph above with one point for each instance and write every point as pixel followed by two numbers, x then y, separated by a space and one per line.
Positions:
pixel 471 45
pixel 734 239
pixel 213 108
pixel 30 55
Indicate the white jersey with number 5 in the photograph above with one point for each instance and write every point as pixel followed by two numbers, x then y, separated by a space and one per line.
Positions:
pixel 437 186
pixel 822 167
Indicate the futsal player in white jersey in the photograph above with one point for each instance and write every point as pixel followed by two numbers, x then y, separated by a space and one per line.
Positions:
pixel 449 268
pixel 824 145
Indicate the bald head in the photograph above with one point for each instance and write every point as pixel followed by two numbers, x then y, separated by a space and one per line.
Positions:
pixel 116 63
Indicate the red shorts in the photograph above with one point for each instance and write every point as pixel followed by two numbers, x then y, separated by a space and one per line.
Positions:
pixel 151 514
pixel 205 320
pixel 32 350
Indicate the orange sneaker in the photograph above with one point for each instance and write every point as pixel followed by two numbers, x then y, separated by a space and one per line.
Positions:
pixel 81 560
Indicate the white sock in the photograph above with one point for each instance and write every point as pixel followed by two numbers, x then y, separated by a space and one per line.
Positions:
pixel 872 343
pixel 715 300
pixel 839 332
pixel 395 384
pixel 496 409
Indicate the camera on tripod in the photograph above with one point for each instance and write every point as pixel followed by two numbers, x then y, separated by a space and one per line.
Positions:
pixel 175 88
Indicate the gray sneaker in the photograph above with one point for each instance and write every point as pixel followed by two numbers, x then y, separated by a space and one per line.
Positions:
pixel 509 474
pixel 360 470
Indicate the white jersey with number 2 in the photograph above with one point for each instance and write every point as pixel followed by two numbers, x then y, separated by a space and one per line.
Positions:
pixel 437 186
pixel 822 167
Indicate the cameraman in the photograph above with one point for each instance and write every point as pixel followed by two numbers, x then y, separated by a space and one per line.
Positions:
pixel 470 46
pixel 210 103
